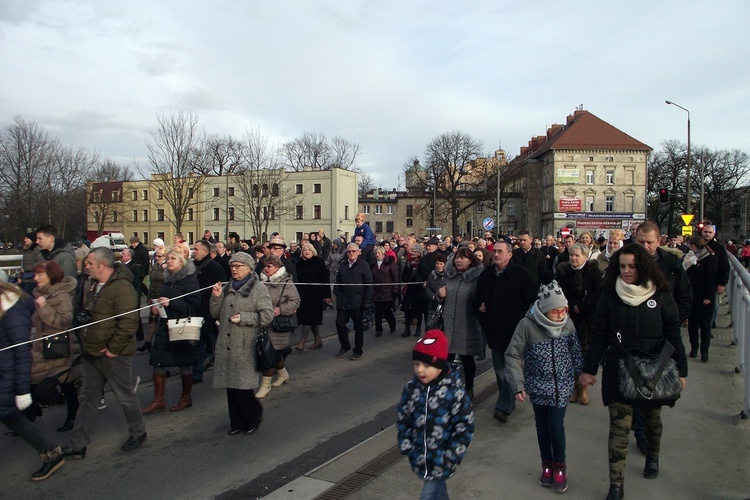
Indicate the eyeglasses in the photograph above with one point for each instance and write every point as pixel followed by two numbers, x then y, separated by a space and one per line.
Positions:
pixel 352 251
pixel 268 266
pixel 236 266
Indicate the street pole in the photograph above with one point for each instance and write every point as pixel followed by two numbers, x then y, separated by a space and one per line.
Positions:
pixel 689 162
pixel 703 185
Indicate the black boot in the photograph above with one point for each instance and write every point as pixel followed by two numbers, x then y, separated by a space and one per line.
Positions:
pixel 145 347
pixel 407 333
pixel 651 470
pixel 68 425
pixel 616 492
pixel 52 460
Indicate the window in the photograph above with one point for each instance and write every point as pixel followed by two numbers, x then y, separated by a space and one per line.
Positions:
pixel 145 237
pixel 264 190
pixel 190 240
pixel 114 215
pixel 389 209
pixel 160 215
pixel 145 215
pixel 273 212
pixel 116 196
pixel 275 190
pixel 96 215
pixel 366 209
pixel 145 194
pixel 97 197
pixel 609 204
pixel 589 177
pixel 409 210
pixel 317 188
pixel 135 195
pixel 480 208
pixel 190 214
pixel 409 223
pixel 589 204
pixel 216 214
pixel 190 192
pixel 610 177
pixel 216 192
pixel 135 215
pixel 346 212
pixel 389 226
pixel 230 214
pixel 317 211
pixel 216 235
pixel 160 195
pixel 298 236
pixel 378 227
pixel 160 235
pixel 230 191
pixel 265 213
pixel 298 212
pixel 510 208
pixel 298 189
pixel 591 158
pixel 255 190
pixel 378 209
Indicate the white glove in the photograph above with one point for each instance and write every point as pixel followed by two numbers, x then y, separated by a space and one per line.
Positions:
pixel 23 401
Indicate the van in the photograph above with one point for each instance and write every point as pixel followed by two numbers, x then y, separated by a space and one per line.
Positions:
pixel 113 241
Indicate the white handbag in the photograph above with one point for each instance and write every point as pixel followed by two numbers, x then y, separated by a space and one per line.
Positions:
pixel 185 329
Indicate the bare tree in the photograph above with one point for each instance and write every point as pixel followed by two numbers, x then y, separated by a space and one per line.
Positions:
pixel 366 184
pixel 667 169
pixel 101 203
pixel 176 154
pixel 726 171
pixel 314 150
pixel 344 154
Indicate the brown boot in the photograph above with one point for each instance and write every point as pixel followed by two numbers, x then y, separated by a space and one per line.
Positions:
pixel 584 397
pixel 160 382
pixel 185 400
pixel 317 344
pixel 576 393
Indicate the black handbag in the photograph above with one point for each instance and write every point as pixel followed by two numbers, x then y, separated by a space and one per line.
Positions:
pixel 49 390
pixel 264 351
pixel 281 323
pixel 435 319
pixel 648 380
pixel 57 347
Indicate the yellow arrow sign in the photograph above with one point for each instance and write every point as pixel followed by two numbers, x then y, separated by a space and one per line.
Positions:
pixel 687 218
pixel 687 230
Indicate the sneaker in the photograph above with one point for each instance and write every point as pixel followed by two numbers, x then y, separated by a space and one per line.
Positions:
pixel 355 356
pixel 133 442
pixel 546 478
pixel 560 482
pixel 102 404
pixel 342 353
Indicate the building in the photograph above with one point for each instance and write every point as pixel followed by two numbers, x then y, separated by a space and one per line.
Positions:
pixel 584 175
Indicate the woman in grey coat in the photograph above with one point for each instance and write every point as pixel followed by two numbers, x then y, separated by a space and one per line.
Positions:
pixel 241 307
pixel 460 320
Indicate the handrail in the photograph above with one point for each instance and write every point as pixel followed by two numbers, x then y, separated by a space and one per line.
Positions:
pixel 738 291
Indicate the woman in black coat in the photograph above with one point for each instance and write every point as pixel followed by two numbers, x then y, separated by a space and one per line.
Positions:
pixel 414 304
pixel 179 279
pixel 702 266
pixel 311 269
pixel 636 307
pixel 581 282
pixel 384 272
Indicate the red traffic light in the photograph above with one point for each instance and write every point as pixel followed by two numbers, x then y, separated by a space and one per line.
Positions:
pixel 700 226
pixel 663 195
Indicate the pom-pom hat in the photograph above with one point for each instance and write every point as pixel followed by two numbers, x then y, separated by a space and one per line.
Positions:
pixel 551 297
pixel 432 349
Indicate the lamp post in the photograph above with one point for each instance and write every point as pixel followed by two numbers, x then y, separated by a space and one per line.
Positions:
pixel 689 163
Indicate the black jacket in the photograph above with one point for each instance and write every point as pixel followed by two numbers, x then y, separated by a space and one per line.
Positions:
pixel 15 364
pixel 534 261
pixel 141 257
pixel 353 297
pixel 679 284
pixel 312 270
pixel 722 270
pixel 208 272
pixel 702 277
pixel 582 288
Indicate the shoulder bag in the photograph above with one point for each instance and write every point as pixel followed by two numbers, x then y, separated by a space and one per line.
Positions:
pixel 282 323
pixel 264 351
pixel 649 380
pixel 57 346
pixel 184 333
pixel 435 318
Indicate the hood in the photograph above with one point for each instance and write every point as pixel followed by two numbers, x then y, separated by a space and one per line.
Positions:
pixel 181 273
pixel 60 246
pixel 471 274
pixel 67 285
pixel 7 300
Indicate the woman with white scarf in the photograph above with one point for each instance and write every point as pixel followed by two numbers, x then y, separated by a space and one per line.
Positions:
pixel 701 266
pixel 614 243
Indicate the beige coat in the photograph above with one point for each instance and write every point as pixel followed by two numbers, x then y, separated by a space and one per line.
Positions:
pixel 284 295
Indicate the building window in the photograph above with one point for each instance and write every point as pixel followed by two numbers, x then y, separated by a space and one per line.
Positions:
pixel 610 177
pixel 589 177
pixel 264 190
pixel 389 226
pixel 190 238
pixel 272 212
pixel 410 210
pixel 317 212
pixel 190 193
pixel 216 235
pixel 298 236
pixel 216 192
pixel 135 194
pixel 299 212
pixel 230 216
pixel 298 189
pixel 255 190
pixel 116 196
pixel 379 209
pixel 378 227
pixel 265 213
pixel 114 215
pixel 230 191
pixel 160 235
pixel 510 208
pixel 317 188
pixel 409 223
pixel 589 204
pixel 480 208
pixel 190 214
pixel 135 215
pixel 609 204
pixel 346 212
pixel 389 209
pixel 366 209
pixel 96 215
pixel 145 194
pixel 216 214
pixel 145 238
pixel 160 195
pixel 160 215
pixel 145 215
pixel 591 158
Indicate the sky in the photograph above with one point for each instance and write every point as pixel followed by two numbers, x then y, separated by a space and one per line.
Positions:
pixel 387 75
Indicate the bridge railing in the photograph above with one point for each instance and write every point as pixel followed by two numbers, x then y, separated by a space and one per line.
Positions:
pixel 11 263
pixel 738 293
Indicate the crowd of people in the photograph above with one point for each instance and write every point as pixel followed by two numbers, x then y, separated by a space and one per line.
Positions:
pixel 550 310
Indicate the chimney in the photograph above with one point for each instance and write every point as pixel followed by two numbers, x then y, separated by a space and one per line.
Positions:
pixel 524 150
pixel 570 119
pixel 554 128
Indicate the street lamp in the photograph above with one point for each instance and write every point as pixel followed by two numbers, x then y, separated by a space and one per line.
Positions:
pixel 689 163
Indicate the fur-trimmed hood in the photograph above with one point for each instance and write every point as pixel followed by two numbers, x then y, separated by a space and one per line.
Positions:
pixel 470 274
pixel 67 285
pixel 183 272
pixel 279 276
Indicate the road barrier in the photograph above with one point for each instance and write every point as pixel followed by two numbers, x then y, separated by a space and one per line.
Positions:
pixel 738 291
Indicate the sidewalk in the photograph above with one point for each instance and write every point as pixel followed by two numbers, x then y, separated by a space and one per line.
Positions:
pixel 705 450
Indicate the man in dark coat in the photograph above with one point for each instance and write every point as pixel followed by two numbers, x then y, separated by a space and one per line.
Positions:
pixel 209 273
pixel 141 257
pixel 325 243
pixel 563 256
pixel 722 273
pixel 352 300
pixel 550 251
pixel 277 248
pixel 426 266
pixel 529 257
pixel 55 248
pixel 504 293
pixel 216 256
pixel 135 268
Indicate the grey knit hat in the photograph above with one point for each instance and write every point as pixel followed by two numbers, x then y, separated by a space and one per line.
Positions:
pixel 551 297
pixel 243 258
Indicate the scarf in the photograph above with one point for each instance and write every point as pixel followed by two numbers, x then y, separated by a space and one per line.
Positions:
pixel 552 328
pixel 236 285
pixel 634 295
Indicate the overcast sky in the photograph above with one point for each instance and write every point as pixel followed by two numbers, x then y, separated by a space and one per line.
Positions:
pixel 388 75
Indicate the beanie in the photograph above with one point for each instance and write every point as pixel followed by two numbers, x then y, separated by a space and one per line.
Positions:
pixel 432 349
pixel 243 258
pixel 551 297
pixel 158 242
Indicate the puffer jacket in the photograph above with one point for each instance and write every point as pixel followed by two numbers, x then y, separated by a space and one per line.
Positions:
pixel 55 316
pixel 285 296
pixel 15 364
pixel 117 296
pixel 545 367
pixel 435 424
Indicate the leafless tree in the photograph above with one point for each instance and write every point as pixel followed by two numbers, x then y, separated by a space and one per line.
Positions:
pixel 366 184
pixel 314 150
pixel 176 153
pixel 726 171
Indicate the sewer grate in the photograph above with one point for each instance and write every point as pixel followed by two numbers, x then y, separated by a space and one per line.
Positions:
pixel 376 466
pixel 346 487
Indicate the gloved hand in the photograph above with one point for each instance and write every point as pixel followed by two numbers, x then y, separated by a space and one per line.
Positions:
pixel 23 401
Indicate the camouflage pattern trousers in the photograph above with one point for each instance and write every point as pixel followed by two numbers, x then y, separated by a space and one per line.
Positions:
pixel 620 419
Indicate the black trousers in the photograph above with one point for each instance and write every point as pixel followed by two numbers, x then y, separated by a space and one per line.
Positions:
pixel 384 309
pixel 245 411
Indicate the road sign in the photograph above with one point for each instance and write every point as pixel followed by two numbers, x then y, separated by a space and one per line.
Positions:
pixel 565 232
pixel 687 230
pixel 687 219
pixel 488 224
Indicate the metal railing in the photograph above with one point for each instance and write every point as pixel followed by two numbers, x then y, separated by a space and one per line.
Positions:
pixel 738 293
pixel 11 263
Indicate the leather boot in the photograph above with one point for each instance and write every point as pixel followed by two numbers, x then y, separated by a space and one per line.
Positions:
pixel 576 393
pixel 145 347
pixel 52 460
pixel 283 378
pixel 651 470
pixel 301 344
pixel 583 396
pixel 185 400
pixel 265 387
pixel 160 382
pixel 616 492
pixel 317 344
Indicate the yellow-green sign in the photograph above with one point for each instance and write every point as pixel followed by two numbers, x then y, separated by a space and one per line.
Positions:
pixel 687 219
pixel 687 230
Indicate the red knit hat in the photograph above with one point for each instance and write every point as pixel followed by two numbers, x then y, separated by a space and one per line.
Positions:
pixel 432 349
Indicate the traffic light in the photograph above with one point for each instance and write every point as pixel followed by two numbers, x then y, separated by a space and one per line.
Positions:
pixel 700 226
pixel 663 195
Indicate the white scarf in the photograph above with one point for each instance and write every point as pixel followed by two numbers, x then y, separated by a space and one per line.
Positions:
pixel 634 295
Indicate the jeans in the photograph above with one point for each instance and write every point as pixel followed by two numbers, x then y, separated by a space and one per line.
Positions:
pixel 356 315
pixel 550 432
pixel 506 401
pixel 435 489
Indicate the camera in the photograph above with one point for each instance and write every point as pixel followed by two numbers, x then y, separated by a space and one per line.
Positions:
pixel 83 318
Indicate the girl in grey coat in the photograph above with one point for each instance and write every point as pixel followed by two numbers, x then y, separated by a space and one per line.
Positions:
pixel 242 306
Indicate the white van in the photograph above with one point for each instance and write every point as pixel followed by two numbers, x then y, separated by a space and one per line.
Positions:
pixel 113 241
